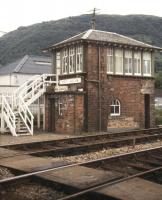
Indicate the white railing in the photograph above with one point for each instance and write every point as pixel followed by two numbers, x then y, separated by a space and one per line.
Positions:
pixel 29 93
pixel 26 115
pixel 26 94
pixel 8 115
pixel 34 87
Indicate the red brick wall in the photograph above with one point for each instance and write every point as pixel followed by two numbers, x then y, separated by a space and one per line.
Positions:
pixel 91 111
pixel 129 90
pixel 71 119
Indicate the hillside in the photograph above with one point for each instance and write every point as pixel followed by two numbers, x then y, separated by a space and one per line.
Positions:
pixel 31 39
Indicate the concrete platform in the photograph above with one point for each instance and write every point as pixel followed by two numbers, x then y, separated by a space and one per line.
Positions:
pixel 6 139
pixel 7 153
pixel 80 177
pixel 27 163
pixel 134 189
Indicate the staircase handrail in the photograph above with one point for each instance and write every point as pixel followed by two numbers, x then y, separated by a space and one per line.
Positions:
pixel 31 89
pixel 41 80
pixel 9 115
pixel 26 115
pixel 25 83
pixel 32 92
pixel 21 88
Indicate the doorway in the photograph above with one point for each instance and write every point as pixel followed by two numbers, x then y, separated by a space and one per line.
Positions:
pixel 147 110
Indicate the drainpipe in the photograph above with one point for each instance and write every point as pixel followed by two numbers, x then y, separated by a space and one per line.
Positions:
pixel 99 86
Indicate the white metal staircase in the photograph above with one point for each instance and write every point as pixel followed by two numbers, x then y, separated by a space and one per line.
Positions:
pixel 16 113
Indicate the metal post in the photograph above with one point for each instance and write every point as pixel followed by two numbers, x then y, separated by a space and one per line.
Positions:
pixel 2 118
pixel 38 114
pixel 44 113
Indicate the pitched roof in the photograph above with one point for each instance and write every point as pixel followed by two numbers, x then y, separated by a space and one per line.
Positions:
pixel 28 65
pixel 103 36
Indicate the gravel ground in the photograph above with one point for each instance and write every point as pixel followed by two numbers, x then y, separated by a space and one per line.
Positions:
pixel 35 191
pixel 5 173
pixel 30 191
pixel 107 152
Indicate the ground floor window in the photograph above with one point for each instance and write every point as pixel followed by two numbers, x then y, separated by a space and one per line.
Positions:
pixel 115 107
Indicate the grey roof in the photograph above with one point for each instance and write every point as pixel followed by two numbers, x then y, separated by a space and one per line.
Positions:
pixel 103 36
pixel 28 65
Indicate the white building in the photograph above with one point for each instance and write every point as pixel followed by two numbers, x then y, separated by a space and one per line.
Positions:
pixel 16 73
pixel 13 75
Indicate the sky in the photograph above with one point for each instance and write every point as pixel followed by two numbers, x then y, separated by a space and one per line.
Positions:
pixel 16 13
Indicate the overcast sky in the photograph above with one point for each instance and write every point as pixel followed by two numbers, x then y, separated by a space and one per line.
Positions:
pixel 15 13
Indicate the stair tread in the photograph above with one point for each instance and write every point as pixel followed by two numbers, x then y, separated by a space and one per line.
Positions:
pixel 23 134
pixel 29 95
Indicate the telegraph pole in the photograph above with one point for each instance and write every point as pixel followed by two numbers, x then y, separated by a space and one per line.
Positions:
pixel 93 20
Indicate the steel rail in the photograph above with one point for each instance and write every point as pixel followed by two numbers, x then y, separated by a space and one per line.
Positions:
pixel 107 184
pixel 117 141
pixel 140 131
pixel 76 164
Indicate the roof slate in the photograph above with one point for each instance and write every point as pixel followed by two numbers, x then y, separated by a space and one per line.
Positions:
pixel 28 65
pixel 103 36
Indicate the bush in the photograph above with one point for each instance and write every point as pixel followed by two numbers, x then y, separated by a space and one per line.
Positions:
pixel 158 117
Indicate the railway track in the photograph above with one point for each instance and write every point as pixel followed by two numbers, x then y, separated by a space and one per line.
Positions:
pixel 87 179
pixel 84 144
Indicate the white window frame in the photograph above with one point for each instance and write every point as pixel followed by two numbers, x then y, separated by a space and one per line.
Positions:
pixel 71 60
pixel 147 60
pixel 110 61
pixel 119 56
pixel 65 61
pixel 114 104
pixel 137 63
pixel 128 68
pixel 79 58
pixel 58 63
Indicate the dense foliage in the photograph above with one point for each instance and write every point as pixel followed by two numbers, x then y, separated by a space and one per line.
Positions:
pixel 158 80
pixel 32 39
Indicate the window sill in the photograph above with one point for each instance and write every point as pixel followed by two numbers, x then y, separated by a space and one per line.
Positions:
pixel 115 115
pixel 147 75
pixel 131 76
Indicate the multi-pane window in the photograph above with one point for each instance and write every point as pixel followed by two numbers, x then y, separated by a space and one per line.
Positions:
pixel 137 63
pixel 110 60
pixel 79 59
pixel 147 64
pixel 71 60
pixel 128 62
pixel 65 61
pixel 58 63
pixel 119 61
pixel 115 108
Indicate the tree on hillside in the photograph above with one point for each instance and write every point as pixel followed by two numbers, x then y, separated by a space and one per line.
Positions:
pixel 158 80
